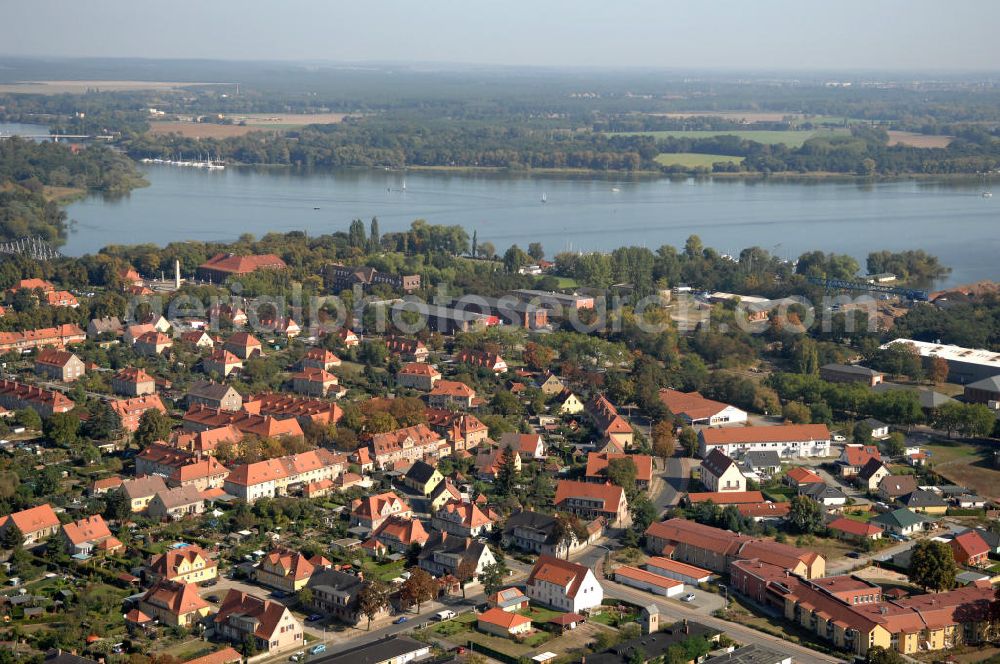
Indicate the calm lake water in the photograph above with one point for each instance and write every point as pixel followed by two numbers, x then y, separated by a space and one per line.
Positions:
pixel 22 129
pixel 949 219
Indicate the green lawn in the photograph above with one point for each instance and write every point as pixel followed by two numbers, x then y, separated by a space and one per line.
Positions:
pixel 568 282
pixel 791 138
pixel 539 614
pixel 384 571
pixel 694 159
pixel 946 453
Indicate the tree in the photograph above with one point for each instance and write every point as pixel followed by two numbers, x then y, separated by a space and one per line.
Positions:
pixel 374 239
pixel 487 250
pixel 805 515
pixel 689 440
pixel 63 429
pixel 621 472
pixel 475 243
pixel 807 357
pixel 862 433
pixel 535 251
pixel 13 538
pixel 28 418
pixel 116 505
pixel 305 596
pixel 896 444
pixel 932 566
pixel 507 475
pixel 664 441
pixel 465 573
pixel 417 589
pixel 797 412
pixel 937 373
pixel 514 259
pixel 153 426
pixel 492 577
pixel 643 513
pixel 568 529
pixel 373 598
pixel 880 655
pixel 537 356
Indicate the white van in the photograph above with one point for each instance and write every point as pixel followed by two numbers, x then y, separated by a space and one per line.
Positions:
pixel 445 615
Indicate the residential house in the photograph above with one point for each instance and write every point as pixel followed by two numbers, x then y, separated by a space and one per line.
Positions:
pixel 270 625
pixel 901 521
pixel 320 358
pixel 693 408
pixel 568 403
pixel 141 490
pixel 214 395
pixel 346 277
pixel 538 533
pixel 984 391
pixel 186 564
pixel 462 431
pixel 418 376
pixel 133 382
pixel 204 443
pixel 371 511
pixel 451 394
pixel 108 327
pixel 407 444
pixel 552 385
pixel 589 501
pixel 723 498
pixel 315 382
pixel 35 523
pixel 970 549
pixel 59 336
pixel 529 446
pixel 856 531
pixel 335 594
pixel 609 423
pixel 854 457
pixel 176 503
pixel 422 477
pixel 243 345
pixel 924 502
pixel 788 440
pixel 720 473
pixel 463 519
pixel 502 623
pixel 275 477
pixel 181 467
pixel 89 535
pixel 130 411
pixel 287 407
pixel 152 344
pixel 762 464
pixel 508 599
pixel 490 361
pixel 598 462
pixel 197 338
pixel 58 365
pixel 407 350
pixel 397 534
pixel 174 603
pixel 895 487
pixel 286 570
pixel 800 476
pixel 879 429
pixel 348 338
pixel 445 554
pixel 221 363
pixel 871 475
pixel 563 585
pixel 824 494
pixel 850 373
pixel 444 492
pixel 17 396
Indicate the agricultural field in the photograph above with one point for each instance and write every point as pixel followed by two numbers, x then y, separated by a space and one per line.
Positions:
pixel 693 159
pixel 199 129
pixel 915 140
pixel 791 138
pixel 244 124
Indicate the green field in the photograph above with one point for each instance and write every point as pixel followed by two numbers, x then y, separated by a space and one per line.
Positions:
pixel 693 159
pixel 792 139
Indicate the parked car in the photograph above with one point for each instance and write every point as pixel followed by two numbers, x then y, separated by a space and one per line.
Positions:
pixel 399 621
pixel 688 598
pixel 297 657
pixel 853 554
pixel 317 649
pixel 210 583
pixel 313 617
pixel 279 594
pixel 839 438
pixel 212 598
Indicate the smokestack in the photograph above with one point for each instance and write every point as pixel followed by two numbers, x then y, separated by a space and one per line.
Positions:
pixel 177 274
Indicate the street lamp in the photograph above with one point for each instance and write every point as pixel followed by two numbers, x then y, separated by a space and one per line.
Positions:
pixel 725 592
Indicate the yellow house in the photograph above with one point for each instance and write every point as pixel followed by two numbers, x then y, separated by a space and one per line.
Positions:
pixel 925 502
pixel 141 491
pixel 444 493
pixel 285 570
pixel 423 478
pixel 569 404
pixel 174 604
pixel 188 564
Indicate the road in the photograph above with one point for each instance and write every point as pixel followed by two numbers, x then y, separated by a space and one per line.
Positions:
pixel 672 483
pixel 740 633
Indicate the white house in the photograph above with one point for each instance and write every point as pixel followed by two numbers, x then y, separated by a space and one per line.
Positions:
pixel 564 585
pixel 720 473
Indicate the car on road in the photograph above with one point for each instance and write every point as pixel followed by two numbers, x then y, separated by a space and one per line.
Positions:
pixel 688 598
pixel 399 621
pixel 853 554
pixel 317 649
pixel 209 583
pixel 297 657
pixel 279 594
pixel 212 598
pixel 313 617
pixel 839 438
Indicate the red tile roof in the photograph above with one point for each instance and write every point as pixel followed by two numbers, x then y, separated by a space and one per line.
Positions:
pixel 559 572
pixel 691 404
pixel 726 497
pixel 609 494
pixel 852 527
pixel 766 434
pixel 504 619
pixel 597 464
pixel 88 529
pixel 33 519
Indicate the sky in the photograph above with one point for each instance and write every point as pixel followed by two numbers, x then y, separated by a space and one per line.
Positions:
pixel 693 34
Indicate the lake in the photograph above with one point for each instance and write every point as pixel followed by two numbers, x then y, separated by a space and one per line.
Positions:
pixel 22 129
pixel 948 218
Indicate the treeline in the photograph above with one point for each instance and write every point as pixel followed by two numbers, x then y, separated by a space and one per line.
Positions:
pixel 373 143
pixel 864 152
pixel 974 323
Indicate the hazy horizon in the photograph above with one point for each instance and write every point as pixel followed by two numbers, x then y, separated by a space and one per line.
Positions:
pixel 774 35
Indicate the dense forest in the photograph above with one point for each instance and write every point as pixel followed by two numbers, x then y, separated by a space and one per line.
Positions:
pixel 27 168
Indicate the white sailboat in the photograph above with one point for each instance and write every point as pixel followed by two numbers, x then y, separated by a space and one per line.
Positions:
pixel 404 184
pixel 545 199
